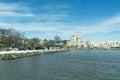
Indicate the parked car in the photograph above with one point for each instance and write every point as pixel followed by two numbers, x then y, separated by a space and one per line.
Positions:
pixel 39 48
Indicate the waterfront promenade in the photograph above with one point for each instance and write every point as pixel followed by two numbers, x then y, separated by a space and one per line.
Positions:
pixel 6 55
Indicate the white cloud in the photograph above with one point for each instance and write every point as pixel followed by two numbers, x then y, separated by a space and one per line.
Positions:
pixel 66 29
pixel 55 6
pixel 51 25
pixel 52 16
pixel 11 6
pixel 29 27
pixel 11 10
pixel 14 10
pixel 106 26
pixel 14 14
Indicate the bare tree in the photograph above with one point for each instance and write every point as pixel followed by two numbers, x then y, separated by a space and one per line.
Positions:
pixel 34 42
pixel 10 37
pixel 49 43
pixel 57 38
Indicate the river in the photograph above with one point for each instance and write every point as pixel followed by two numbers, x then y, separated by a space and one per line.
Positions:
pixel 72 65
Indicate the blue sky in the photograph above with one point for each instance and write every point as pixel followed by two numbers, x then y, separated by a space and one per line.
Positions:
pixel 94 20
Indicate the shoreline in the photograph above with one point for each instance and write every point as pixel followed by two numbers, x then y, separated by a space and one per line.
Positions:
pixel 8 55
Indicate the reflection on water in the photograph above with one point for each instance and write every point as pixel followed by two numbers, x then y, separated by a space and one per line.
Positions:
pixel 74 65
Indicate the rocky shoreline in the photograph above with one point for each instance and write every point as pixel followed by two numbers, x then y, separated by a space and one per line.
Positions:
pixel 8 55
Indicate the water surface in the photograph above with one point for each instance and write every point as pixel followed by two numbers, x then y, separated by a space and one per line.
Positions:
pixel 73 65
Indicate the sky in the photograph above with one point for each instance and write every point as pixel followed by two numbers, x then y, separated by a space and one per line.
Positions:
pixel 94 20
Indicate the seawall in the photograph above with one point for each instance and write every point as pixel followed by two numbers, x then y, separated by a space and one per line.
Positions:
pixel 8 55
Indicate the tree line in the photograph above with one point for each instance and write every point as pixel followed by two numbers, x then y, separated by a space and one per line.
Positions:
pixel 13 38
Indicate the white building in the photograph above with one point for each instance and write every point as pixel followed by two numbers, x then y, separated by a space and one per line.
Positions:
pixel 76 41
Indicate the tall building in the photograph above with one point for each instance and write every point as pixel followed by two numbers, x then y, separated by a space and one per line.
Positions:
pixel 75 39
